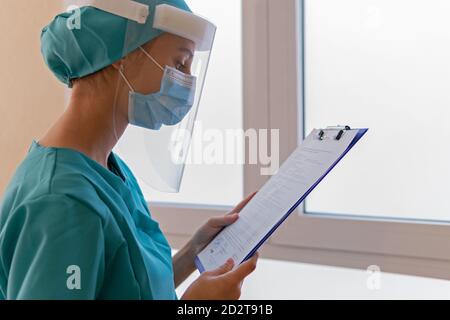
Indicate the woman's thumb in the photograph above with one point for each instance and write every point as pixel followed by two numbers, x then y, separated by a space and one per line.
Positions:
pixel 226 267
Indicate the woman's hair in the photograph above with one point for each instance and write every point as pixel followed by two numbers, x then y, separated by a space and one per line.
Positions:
pixel 107 76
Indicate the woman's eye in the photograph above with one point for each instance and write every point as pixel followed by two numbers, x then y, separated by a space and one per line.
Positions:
pixel 179 67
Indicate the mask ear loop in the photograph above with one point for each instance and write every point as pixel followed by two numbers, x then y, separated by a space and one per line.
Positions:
pixel 122 74
pixel 151 58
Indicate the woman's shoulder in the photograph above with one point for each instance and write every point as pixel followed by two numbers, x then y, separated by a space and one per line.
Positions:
pixel 44 175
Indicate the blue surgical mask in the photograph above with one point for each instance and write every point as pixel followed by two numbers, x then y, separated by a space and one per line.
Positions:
pixel 167 107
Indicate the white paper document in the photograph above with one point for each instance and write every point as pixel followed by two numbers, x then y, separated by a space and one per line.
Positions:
pixel 284 191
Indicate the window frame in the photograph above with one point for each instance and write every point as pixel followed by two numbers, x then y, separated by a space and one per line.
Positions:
pixel 272 98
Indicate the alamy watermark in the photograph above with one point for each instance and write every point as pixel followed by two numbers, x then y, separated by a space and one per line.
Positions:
pixel 74 279
pixel 74 21
pixel 228 147
pixel 373 281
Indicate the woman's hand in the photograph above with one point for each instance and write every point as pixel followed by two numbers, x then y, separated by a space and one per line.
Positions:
pixel 222 283
pixel 183 261
pixel 210 229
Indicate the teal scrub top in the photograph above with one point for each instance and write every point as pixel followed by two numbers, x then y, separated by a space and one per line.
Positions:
pixel 72 229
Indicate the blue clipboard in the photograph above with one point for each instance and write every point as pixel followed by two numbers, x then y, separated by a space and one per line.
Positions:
pixel 359 135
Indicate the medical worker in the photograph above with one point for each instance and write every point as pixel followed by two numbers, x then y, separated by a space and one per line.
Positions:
pixel 73 221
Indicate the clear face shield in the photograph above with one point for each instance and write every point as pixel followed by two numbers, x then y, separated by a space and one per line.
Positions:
pixel 156 143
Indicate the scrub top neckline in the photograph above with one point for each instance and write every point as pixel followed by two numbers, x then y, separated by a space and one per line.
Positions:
pixel 112 161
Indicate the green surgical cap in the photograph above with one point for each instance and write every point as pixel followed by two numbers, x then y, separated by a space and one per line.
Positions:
pixel 72 52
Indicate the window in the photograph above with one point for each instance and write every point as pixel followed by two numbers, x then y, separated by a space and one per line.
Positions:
pixel 383 65
pixel 366 63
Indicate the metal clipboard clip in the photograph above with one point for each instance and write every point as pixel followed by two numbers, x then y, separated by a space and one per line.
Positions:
pixel 341 132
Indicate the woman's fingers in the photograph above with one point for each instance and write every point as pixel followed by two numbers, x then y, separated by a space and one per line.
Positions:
pixel 243 203
pixel 231 217
pixel 220 222
pixel 241 272
pixel 226 267
pixel 232 280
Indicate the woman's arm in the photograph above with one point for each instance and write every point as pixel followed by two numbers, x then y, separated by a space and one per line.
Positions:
pixel 183 264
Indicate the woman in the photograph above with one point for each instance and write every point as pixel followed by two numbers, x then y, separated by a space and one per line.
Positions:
pixel 74 223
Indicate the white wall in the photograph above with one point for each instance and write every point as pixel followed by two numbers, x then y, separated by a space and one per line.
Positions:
pixel 32 98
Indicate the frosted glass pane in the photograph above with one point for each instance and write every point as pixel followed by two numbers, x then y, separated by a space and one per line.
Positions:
pixel 382 64
pixel 221 108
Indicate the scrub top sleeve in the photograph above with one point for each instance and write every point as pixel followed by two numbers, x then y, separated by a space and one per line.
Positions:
pixel 53 248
